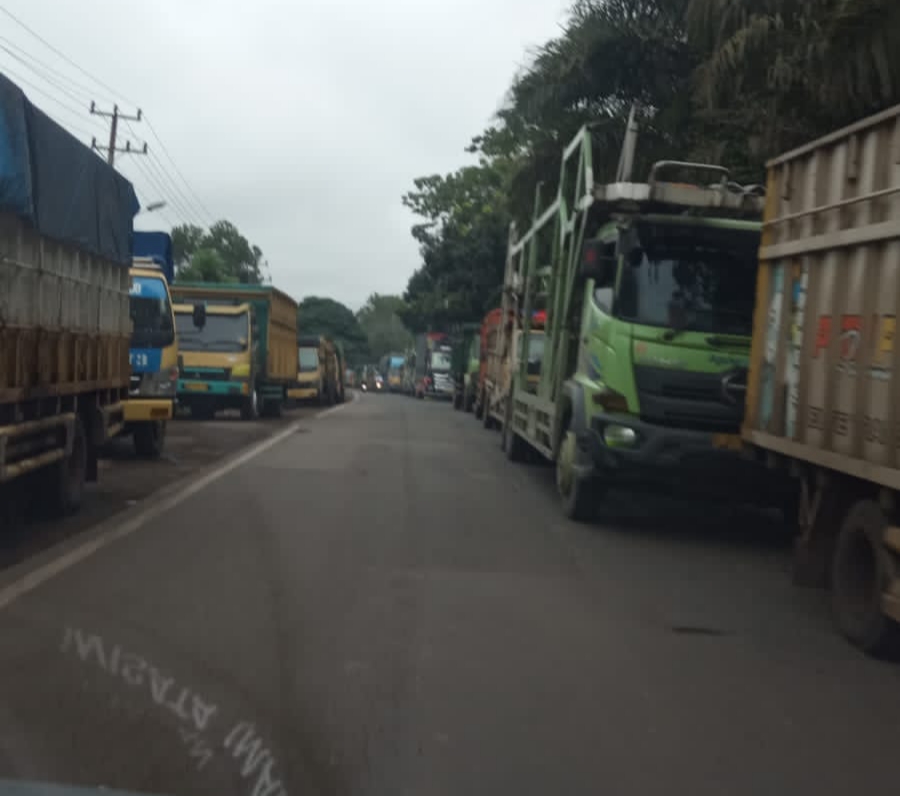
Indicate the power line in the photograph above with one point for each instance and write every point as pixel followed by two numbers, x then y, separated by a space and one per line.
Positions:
pixel 160 187
pixel 87 91
pixel 65 57
pixel 47 94
pixel 193 202
pixel 56 84
pixel 177 170
pixel 158 167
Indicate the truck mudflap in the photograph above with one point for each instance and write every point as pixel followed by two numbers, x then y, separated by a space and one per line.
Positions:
pixel 108 422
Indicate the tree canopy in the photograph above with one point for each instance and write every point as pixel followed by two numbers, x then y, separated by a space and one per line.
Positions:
pixel 720 81
pixel 325 316
pixel 219 254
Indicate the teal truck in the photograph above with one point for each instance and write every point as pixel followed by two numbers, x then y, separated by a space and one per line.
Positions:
pixel 648 293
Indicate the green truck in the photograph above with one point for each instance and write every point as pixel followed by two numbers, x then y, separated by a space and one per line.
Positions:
pixel 239 348
pixel 648 290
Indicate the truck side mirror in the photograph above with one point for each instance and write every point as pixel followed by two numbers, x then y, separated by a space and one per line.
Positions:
pixel 199 316
pixel 597 265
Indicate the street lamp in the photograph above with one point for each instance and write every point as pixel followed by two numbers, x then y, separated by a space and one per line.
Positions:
pixel 155 206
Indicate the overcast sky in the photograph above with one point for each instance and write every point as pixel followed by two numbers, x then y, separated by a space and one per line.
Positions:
pixel 302 122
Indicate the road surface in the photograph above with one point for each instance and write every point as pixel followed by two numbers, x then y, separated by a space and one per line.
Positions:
pixel 379 603
pixel 126 481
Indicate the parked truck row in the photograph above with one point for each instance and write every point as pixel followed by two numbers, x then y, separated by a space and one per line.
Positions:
pixel 723 341
pixel 97 337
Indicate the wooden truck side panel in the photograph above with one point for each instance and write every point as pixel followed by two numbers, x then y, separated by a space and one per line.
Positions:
pixel 64 322
pixel 823 386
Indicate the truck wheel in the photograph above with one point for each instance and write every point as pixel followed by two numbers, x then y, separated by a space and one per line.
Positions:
pixel 479 409
pixel 578 496
pixel 67 477
pixel 250 406
pixel 862 570
pixel 469 402
pixel 457 401
pixel 149 439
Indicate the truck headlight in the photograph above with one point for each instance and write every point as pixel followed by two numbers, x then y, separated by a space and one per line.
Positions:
pixel 241 371
pixel 616 436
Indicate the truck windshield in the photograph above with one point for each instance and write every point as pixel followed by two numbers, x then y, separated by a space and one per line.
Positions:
pixel 705 283
pixel 440 361
pixel 308 359
pixel 224 333
pixel 151 313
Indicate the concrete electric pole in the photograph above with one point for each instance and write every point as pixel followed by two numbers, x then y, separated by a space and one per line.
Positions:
pixel 111 150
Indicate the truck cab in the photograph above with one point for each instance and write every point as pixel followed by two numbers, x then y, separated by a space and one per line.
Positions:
pixel 217 353
pixel 319 372
pixel 154 351
pixel 647 290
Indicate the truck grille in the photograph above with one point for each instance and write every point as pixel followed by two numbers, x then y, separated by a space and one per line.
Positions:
pixel 688 400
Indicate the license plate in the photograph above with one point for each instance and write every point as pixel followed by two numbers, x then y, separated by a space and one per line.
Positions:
pixel 196 387
pixel 731 442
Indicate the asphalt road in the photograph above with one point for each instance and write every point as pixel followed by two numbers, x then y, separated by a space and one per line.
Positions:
pixel 381 604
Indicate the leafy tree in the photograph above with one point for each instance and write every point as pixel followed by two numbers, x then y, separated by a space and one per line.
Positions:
pixel 240 261
pixel 206 265
pixel 719 81
pixel 328 317
pixel 380 320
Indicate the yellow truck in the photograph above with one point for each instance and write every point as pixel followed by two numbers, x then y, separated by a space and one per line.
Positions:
pixel 154 347
pixel 823 395
pixel 216 345
pixel 238 348
pixel 320 370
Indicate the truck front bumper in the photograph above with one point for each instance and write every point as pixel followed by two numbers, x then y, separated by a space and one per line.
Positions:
pixel 147 410
pixel 191 389
pixel 627 450
pixel 303 393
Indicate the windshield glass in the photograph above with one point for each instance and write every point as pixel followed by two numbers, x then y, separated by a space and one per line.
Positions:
pixel 226 333
pixel 151 313
pixel 697 281
pixel 308 359
pixel 440 361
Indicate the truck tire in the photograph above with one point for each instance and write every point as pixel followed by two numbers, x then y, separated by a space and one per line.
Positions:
pixel 67 477
pixel 457 401
pixel 250 406
pixel 862 569
pixel 480 408
pixel 469 402
pixel 149 439
pixel 578 497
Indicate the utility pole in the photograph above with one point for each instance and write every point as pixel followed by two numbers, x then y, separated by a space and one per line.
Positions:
pixel 111 150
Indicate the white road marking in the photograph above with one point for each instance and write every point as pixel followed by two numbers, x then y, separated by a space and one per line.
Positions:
pixel 35 577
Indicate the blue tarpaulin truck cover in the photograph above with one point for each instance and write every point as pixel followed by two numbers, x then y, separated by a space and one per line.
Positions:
pixel 158 247
pixel 58 185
